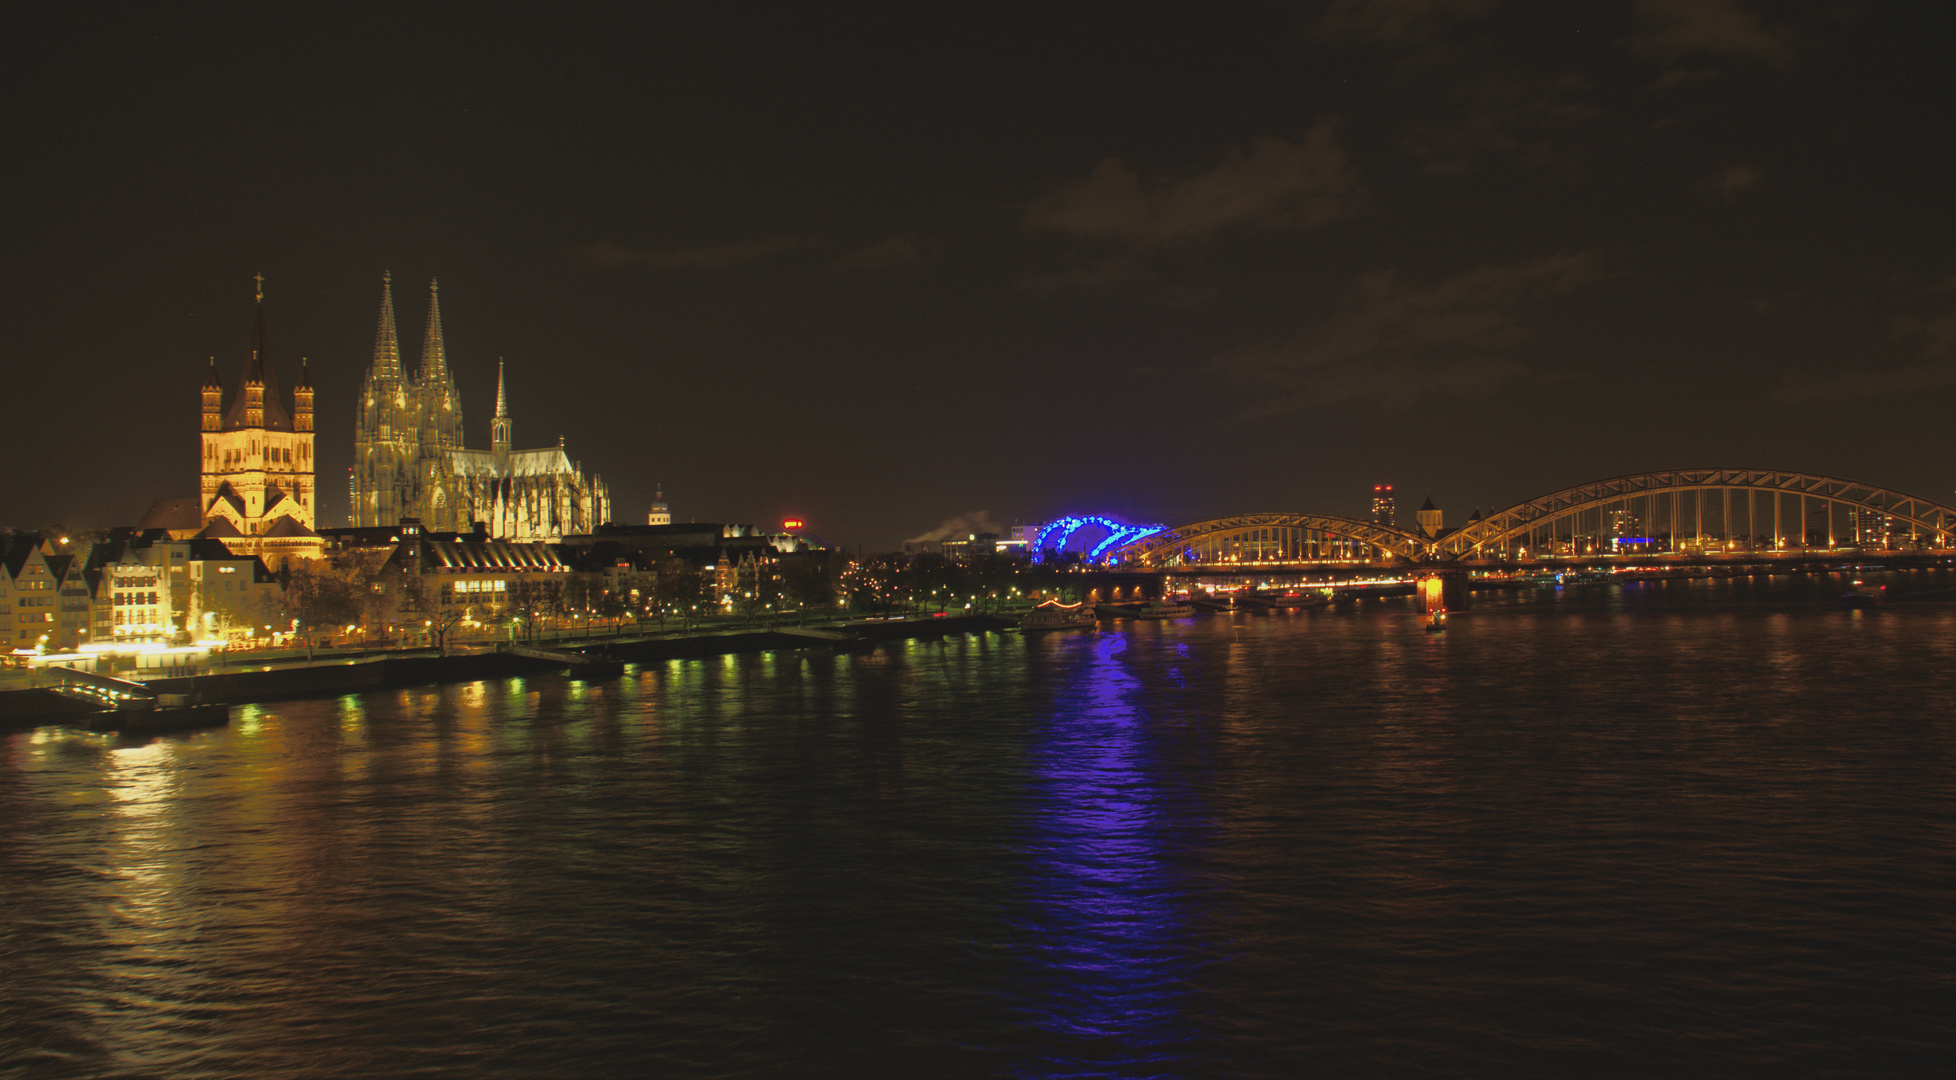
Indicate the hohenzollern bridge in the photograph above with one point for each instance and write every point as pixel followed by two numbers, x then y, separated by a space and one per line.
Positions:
pixel 1681 514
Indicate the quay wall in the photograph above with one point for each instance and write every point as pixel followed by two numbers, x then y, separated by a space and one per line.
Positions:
pixel 37 707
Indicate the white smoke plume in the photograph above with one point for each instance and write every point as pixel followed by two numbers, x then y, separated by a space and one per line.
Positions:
pixel 957 528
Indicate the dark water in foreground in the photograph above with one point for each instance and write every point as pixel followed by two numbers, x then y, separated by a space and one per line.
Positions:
pixel 1672 828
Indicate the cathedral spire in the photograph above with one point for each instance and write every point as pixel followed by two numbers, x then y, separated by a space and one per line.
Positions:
pixel 499 427
pixel 434 354
pixel 437 401
pixel 387 344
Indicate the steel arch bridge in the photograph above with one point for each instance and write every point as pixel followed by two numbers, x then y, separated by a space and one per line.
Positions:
pixel 1749 511
pixel 1655 503
pixel 1264 538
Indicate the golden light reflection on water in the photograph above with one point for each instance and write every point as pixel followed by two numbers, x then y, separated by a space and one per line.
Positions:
pixel 353 715
pixel 146 918
pixel 245 719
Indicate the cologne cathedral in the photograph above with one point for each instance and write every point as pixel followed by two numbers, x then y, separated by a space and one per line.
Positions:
pixel 409 461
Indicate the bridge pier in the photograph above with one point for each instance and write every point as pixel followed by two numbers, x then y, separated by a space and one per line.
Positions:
pixel 1102 587
pixel 1440 590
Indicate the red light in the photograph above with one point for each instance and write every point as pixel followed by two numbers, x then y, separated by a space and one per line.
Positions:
pixel 793 523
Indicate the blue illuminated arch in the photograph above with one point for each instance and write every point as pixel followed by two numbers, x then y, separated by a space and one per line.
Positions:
pixel 1054 535
pixel 1122 536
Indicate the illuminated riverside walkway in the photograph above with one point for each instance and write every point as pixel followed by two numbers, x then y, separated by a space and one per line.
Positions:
pixel 1683 515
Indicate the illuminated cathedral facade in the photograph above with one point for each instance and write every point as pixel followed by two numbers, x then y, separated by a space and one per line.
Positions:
pixel 409 460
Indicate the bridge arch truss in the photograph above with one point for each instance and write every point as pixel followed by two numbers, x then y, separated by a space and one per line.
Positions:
pixel 1706 510
pixel 1250 539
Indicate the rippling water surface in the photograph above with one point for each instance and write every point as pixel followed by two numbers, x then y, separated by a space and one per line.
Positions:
pixel 1701 828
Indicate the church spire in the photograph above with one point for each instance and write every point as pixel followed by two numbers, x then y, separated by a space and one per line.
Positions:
pixel 499 427
pixel 439 404
pixel 257 403
pixel 255 363
pixel 434 354
pixel 387 344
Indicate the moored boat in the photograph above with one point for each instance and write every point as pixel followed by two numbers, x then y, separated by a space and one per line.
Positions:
pixel 1157 609
pixel 144 716
pixel 1293 599
pixel 1053 615
pixel 1862 594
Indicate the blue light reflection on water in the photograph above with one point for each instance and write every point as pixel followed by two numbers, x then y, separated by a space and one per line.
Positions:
pixel 1107 971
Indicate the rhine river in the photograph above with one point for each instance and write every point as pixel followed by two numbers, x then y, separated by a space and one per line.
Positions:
pixel 1705 828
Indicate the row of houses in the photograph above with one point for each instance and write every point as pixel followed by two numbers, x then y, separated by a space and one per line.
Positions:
pixel 702 567
pixel 131 589
pixel 149 587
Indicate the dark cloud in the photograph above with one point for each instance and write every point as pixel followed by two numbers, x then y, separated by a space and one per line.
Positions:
pixel 1506 112
pixel 896 253
pixel 1931 337
pixel 1395 340
pixel 1278 185
pixel 614 256
pixel 1675 29
pixel 1936 336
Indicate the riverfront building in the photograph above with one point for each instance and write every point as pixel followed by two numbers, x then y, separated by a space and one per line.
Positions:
pixel 150 588
pixel 45 594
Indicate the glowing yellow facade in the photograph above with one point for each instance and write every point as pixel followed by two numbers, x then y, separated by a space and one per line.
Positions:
pixel 257 494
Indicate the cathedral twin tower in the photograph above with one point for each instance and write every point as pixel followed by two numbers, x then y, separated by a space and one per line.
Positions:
pixel 409 461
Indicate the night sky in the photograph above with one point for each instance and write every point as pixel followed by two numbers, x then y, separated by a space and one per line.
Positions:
pixel 885 266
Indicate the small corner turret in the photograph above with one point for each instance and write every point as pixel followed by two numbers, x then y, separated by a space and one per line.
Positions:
pixel 302 399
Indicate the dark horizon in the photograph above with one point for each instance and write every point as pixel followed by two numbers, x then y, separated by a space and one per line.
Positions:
pixel 880 270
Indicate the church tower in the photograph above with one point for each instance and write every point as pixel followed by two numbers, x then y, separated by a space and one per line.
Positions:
pixel 441 405
pixel 441 429
pixel 386 429
pixel 213 401
pixel 302 399
pixel 257 492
